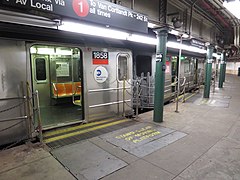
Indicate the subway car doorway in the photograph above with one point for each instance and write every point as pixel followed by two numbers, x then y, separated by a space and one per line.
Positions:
pixel 57 76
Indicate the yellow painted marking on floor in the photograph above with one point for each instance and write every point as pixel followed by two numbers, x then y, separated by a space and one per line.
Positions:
pixel 84 131
pixel 190 96
pixel 98 114
pixel 52 133
pixel 139 135
pixel 180 97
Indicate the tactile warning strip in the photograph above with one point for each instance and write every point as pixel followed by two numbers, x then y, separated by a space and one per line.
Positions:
pixel 64 136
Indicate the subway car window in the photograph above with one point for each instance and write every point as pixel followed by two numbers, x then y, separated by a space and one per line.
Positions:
pixel 122 68
pixel 143 65
pixel 41 69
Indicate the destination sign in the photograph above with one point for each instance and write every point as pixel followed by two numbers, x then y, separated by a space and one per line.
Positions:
pixel 95 11
pixel 197 43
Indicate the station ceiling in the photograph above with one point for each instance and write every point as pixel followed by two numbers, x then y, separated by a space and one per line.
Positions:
pixel 215 11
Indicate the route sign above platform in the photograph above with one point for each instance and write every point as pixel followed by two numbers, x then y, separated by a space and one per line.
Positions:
pixel 95 11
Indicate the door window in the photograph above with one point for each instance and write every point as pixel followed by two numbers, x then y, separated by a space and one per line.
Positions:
pixel 40 69
pixel 122 67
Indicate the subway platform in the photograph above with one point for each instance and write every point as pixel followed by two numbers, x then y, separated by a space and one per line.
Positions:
pixel 200 142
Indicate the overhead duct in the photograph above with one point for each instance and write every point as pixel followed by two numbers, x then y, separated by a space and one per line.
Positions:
pixel 216 14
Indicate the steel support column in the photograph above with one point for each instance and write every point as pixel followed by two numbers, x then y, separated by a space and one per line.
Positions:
pixel 208 71
pixel 221 75
pixel 161 51
pixel 224 69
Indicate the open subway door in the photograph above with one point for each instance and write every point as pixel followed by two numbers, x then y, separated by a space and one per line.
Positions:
pixel 108 89
pixel 57 75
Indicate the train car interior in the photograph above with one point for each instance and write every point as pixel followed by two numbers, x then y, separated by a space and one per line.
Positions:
pixel 57 76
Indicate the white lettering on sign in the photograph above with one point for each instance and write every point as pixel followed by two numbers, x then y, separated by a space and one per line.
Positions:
pixel 106 10
pixel 23 2
pixel 92 3
pixel 60 2
pixel 102 6
pixel 46 5
pixel 42 6
pixel 100 74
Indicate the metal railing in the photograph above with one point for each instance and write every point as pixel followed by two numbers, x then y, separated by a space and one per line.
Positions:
pixel 122 101
pixel 143 89
pixel 29 107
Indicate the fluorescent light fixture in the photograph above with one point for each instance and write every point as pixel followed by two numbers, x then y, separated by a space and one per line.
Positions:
pixel 174 32
pixel 34 50
pixel 218 56
pixel 63 52
pixel 92 30
pixel 177 33
pixel 151 25
pixel 142 39
pixel 50 51
pixel 233 7
pixel 109 33
pixel 176 45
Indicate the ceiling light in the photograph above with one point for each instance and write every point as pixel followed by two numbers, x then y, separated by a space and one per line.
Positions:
pixel 152 25
pixel 142 39
pixel 92 30
pixel 177 33
pixel 185 47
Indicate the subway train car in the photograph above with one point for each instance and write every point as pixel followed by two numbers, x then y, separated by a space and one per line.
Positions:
pixel 191 76
pixel 57 78
pixel 74 83
pixel 78 82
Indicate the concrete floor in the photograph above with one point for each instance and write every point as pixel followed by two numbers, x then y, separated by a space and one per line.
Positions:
pixel 210 150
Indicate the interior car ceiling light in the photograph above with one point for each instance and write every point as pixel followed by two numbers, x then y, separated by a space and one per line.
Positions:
pixel 233 6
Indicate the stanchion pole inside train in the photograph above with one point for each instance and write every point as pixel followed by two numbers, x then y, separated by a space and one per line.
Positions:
pixel 208 71
pixel 179 73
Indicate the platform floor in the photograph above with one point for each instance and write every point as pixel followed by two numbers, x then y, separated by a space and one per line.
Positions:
pixel 207 146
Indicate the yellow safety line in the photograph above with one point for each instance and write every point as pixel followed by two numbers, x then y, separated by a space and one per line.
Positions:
pixel 97 114
pixel 84 131
pixel 181 96
pixel 190 96
pixel 51 133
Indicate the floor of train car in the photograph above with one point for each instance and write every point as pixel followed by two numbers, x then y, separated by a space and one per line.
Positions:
pixel 59 114
pixel 59 137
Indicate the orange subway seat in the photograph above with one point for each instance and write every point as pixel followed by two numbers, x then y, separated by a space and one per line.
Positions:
pixel 59 89
pixel 77 88
pixel 69 89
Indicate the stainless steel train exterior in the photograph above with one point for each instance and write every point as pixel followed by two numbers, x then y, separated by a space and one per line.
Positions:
pixel 191 76
pixel 77 79
pixel 72 87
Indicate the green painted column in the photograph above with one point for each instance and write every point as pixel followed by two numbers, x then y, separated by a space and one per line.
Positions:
pixel 208 71
pixel 221 75
pixel 224 69
pixel 161 51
